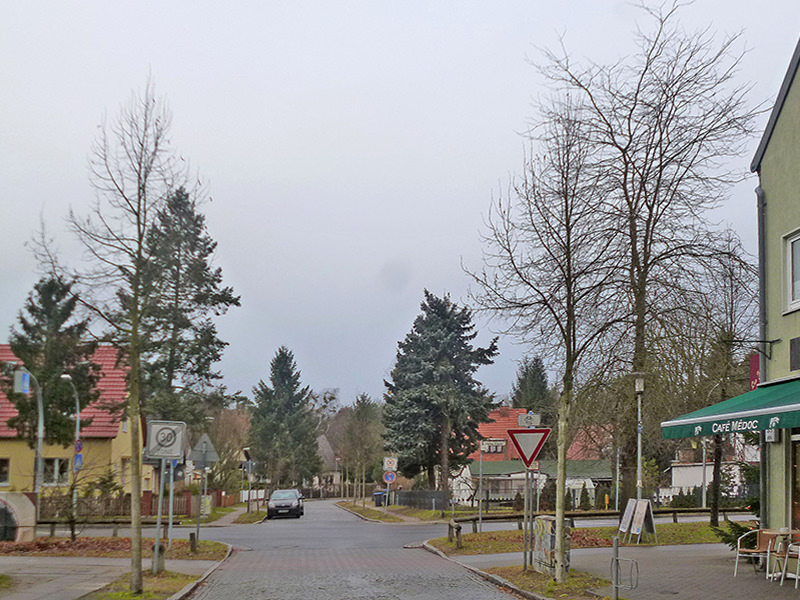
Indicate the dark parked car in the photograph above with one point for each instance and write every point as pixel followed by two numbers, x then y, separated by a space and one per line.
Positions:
pixel 287 503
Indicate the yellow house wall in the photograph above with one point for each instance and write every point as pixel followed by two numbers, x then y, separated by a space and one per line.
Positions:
pixel 780 180
pixel 99 455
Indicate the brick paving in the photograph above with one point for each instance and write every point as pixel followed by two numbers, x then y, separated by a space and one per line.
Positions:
pixel 351 574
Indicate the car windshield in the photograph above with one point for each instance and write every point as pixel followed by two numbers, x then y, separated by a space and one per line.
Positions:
pixel 284 495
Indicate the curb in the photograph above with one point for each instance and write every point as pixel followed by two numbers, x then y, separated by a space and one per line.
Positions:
pixel 359 515
pixel 495 579
pixel 190 587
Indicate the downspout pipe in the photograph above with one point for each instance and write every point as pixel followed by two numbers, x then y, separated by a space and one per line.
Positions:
pixel 761 203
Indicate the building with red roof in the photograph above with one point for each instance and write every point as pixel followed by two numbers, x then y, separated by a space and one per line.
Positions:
pixel 502 471
pixel 105 440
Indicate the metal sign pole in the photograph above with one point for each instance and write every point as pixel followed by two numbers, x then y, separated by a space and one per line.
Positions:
pixel 172 464
pixel 525 525
pixel 480 492
pixel 531 521
pixel 157 543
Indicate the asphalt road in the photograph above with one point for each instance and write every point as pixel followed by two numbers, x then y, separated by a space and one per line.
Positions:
pixel 330 554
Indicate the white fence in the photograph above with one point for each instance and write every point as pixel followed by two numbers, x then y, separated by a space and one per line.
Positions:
pixel 259 495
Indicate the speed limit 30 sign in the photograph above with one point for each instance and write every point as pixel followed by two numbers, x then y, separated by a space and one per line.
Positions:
pixel 165 439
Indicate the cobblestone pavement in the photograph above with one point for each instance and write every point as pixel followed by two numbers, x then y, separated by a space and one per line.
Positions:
pixel 343 574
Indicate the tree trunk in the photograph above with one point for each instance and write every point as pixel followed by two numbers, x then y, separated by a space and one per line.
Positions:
pixel 715 481
pixel 444 451
pixel 561 477
pixel 136 471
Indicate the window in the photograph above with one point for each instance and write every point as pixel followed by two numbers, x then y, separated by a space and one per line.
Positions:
pixel 56 471
pixel 793 270
pixel 5 468
pixel 124 471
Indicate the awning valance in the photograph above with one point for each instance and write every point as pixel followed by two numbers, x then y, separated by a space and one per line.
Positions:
pixel 773 406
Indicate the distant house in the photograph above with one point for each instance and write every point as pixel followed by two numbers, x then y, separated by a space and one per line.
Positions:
pixel 106 443
pixel 500 472
pixel 329 481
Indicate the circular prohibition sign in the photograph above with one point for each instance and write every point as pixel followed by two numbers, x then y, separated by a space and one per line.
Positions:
pixel 389 477
pixel 166 437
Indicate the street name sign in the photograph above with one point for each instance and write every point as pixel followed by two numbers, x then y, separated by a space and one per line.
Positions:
pixel 529 420
pixel 528 442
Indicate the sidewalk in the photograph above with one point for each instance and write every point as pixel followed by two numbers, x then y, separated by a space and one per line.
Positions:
pixel 70 578
pixel 691 571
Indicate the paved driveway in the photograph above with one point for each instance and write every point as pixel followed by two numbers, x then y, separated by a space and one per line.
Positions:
pixel 330 554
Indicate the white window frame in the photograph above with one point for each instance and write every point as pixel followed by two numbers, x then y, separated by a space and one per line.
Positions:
pixel 792 299
pixel 59 475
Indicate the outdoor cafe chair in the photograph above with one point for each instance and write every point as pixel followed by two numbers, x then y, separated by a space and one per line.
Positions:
pixel 765 540
pixel 789 549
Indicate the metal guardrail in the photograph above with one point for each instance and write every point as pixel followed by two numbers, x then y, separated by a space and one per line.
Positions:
pixel 588 514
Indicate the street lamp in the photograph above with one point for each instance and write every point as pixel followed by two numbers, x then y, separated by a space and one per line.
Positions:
pixel 21 377
pixel 67 377
pixel 638 383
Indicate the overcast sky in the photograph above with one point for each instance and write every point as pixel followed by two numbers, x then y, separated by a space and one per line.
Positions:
pixel 351 148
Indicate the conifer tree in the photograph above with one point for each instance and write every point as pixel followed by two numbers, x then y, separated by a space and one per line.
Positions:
pixel 284 426
pixel 182 345
pixel 49 339
pixel 433 402
pixel 530 390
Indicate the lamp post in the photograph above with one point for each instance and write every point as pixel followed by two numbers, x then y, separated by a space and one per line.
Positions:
pixel 21 378
pixel 75 467
pixel 639 389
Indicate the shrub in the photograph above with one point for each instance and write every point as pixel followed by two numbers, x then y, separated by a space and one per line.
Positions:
pixel 734 532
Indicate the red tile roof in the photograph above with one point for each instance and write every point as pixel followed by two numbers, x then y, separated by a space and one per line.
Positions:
pixel 112 391
pixel 504 418
pixel 591 443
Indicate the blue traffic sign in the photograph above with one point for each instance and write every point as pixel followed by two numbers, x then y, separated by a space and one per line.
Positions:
pixel 389 476
pixel 78 461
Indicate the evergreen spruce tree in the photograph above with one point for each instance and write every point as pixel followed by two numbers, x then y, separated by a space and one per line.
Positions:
pixel 49 339
pixel 433 402
pixel 584 503
pixel 182 345
pixel 530 390
pixel 284 425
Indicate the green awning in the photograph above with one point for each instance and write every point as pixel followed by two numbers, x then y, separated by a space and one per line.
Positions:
pixel 771 406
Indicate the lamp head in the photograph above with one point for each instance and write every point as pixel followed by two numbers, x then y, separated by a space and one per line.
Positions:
pixel 66 377
pixel 638 382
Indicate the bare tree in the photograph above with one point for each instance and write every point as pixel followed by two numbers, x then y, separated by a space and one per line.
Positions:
pixel 547 267
pixel 132 169
pixel 666 123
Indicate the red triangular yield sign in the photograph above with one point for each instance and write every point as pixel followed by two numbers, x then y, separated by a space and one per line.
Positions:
pixel 528 442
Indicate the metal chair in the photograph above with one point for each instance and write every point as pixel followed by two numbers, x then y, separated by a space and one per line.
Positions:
pixel 765 544
pixel 788 549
